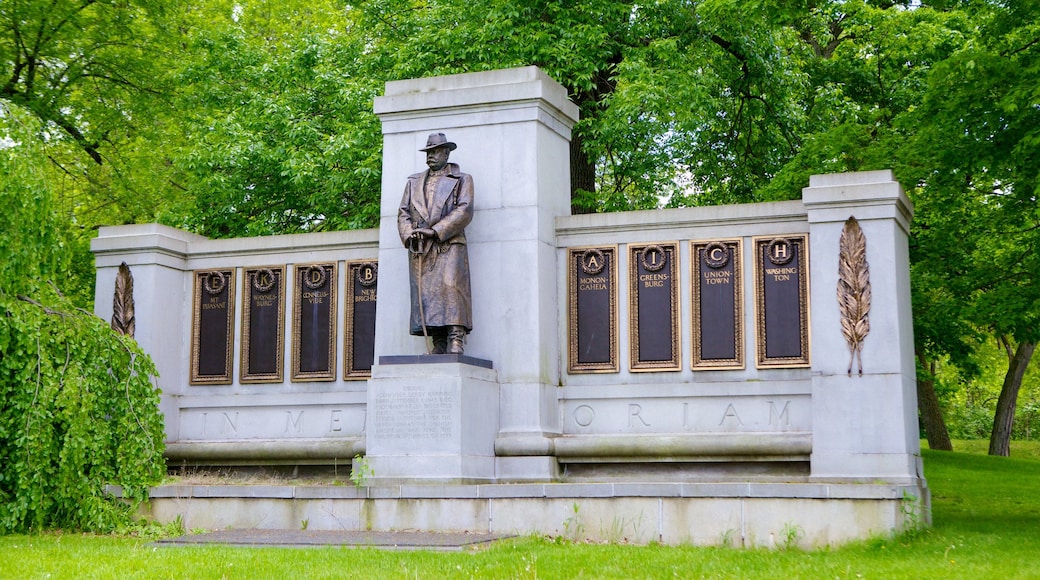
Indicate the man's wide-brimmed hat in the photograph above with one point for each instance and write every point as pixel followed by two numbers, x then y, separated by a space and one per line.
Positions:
pixel 436 140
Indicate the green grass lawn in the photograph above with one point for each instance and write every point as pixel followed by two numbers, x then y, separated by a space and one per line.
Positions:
pixel 986 514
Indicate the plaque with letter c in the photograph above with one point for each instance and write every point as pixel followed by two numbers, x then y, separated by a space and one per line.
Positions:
pixel 718 304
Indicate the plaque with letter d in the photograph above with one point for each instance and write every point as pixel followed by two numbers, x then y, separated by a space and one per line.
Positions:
pixel 263 325
pixel 653 309
pixel 782 301
pixel 314 322
pixel 360 333
pixel 212 327
pixel 592 310
pixel 718 305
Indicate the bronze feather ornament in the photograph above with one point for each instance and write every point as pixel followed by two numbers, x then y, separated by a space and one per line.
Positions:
pixel 123 302
pixel 854 290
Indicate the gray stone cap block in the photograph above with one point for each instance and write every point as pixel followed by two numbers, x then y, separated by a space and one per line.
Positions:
pixel 708 489
pixel 478 88
pixel 865 194
pixel 156 238
pixel 737 220
pixel 432 359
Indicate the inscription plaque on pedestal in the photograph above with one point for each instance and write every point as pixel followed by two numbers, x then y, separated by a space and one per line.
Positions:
pixel 717 304
pixel 782 301
pixel 360 332
pixel 314 323
pixel 653 296
pixel 592 310
pixel 263 325
pixel 212 327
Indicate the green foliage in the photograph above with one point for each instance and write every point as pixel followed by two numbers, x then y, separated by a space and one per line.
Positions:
pixel 969 396
pixel 279 129
pixel 78 410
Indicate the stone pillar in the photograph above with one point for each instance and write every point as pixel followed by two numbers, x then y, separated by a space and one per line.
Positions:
pixel 512 128
pixel 157 257
pixel 864 426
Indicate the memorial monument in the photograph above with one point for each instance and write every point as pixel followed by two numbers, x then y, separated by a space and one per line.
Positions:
pixel 680 375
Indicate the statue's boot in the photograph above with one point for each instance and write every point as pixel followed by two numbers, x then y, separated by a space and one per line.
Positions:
pixel 440 343
pixel 456 339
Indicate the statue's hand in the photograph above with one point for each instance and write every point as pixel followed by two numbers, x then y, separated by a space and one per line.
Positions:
pixel 425 233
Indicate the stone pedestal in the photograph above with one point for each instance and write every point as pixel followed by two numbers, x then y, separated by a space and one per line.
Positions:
pixel 513 131
pixel 864 425
pixel 432 419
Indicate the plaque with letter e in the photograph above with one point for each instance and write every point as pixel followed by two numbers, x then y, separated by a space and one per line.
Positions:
pixel 360 333
pixel 653 295
pixel 314 322
pixel 718 305
pixel 782 301
pixel 263 325
pixel 592 310
pixel 212 327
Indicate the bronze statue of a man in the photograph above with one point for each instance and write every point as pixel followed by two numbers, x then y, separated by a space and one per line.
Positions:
pixel 436 207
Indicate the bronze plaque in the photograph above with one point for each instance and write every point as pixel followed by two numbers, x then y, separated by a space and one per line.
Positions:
pixel 212 327
pixel 653 306
pixel 592 310
pixel 263 325
pixel 782 301
pixel 717 304
pixel 314 323
pixel 360 333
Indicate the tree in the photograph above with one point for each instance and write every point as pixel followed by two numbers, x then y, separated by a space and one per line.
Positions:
pixel 280 136
pixel 78 410
pixel 979 162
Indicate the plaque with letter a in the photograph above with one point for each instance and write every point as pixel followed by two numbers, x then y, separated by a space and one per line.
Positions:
pixel 360 333
pixel 212 327
pixel 314 323
pixel 653 296
pixel 782 301
pixel 263 325
pixel 718 305
pixel 592 310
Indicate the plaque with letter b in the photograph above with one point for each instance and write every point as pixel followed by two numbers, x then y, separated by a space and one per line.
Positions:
pixel 360 333
pixel 314 322
pixel 212 327
pixel 782 301
pixel 592 310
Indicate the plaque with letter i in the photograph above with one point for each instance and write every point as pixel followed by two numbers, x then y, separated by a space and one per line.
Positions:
pixel 592 310
pixel 263 325
pixel 653 296
pixel 718 305
pixel 782 301
pixel 360 333
pixel 212 327
pixel 314 322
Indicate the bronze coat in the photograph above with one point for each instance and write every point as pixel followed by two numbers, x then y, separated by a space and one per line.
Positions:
pixel 446 297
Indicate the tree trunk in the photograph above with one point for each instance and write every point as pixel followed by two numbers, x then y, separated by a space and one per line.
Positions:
pixel 928 404
pixel 583 174
pixel 1000 439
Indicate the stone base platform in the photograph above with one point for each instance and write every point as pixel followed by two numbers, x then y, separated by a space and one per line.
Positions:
pixel 736 514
